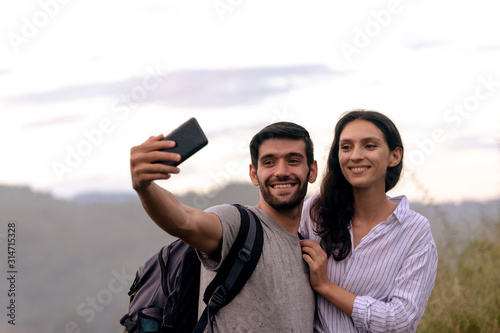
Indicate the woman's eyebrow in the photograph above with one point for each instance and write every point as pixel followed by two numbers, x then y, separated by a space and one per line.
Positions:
pixel 370 138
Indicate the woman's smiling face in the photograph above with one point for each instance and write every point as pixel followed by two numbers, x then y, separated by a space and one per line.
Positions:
pixel 364 155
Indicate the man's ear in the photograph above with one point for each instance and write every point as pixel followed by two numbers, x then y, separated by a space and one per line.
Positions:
pixel 313 172
pixel 253 175
pixel 395 156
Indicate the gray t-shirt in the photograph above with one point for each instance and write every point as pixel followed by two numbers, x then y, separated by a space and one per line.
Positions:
pixel 278 296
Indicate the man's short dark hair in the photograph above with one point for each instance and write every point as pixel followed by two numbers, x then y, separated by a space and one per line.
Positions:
pixel 281 130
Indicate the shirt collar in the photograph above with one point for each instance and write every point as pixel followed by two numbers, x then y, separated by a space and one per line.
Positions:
pixel 402 210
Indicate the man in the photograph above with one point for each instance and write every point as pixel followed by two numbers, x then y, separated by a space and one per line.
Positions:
pixel 277 297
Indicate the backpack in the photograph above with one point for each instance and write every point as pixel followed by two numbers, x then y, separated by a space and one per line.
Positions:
pixel 165 293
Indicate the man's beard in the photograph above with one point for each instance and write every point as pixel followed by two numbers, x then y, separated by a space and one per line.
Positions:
pixel 284 205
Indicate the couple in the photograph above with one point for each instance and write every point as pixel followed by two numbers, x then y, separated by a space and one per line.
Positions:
pixel 370 260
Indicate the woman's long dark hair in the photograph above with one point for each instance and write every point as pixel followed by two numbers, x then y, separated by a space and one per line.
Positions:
pixel 333 209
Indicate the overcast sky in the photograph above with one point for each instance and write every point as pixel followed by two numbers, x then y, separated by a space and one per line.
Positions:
pixel 81 82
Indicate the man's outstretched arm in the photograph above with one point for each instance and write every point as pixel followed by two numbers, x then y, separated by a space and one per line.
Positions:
pixel 199 229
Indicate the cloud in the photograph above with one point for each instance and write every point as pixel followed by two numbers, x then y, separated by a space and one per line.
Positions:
pixel 52 121
pixel 475 142
pixel 197 88
pixel 488 48
pixel 418 44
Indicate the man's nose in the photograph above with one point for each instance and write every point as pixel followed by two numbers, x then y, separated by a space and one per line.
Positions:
pixel 281 168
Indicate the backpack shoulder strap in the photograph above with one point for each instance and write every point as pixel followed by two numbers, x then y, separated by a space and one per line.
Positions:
pixel 236 268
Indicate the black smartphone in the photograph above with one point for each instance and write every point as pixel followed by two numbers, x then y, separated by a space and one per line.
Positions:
pixel 189 139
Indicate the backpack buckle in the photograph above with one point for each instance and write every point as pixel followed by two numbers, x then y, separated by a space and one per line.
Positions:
pixel 218 297
pixel 245 254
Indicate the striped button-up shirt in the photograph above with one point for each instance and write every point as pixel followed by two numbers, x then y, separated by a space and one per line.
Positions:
pixel 392 272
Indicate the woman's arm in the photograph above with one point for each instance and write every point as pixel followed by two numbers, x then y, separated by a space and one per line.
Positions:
pixel 405 305
pixel 402 309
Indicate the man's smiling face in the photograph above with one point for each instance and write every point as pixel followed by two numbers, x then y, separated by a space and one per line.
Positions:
pixel 282 174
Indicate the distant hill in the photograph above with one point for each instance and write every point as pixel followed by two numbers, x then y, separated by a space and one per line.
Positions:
pixel 76 258
pixel 448 220
pixel 232 193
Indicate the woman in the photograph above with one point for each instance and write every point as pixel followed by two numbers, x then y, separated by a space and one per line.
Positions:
pixel 376 266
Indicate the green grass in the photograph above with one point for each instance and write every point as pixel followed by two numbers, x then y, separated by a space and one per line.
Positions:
pixel 466 296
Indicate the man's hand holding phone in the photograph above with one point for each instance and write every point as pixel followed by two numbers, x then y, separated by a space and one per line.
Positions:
pixel 144 159
pixel 158 157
